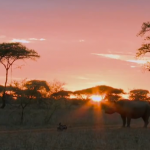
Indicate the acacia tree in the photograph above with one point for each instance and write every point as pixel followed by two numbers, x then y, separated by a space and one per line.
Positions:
pixel 27 92
pixel 23 96
pixel 39 88
pixel 97 90
pixel 11 52
pixel 138 94
pixel 107 92
pixel 145 47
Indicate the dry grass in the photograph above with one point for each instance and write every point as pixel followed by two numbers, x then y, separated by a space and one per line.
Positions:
pixel 35 118
pixel 89 129
pixel 108 138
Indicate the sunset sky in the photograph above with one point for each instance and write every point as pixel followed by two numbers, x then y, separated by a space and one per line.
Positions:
pixel 83 43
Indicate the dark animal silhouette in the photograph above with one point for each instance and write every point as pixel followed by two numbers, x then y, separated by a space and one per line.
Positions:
pixel 61 127
pixel 129 110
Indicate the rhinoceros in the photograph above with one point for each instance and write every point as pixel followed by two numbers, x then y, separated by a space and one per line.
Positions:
pixel 129 110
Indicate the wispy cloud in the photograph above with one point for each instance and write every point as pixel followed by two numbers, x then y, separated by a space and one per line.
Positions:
pixel 80 77
pixel 2 36
pixel 81 40
pixel 41 39
pixel 29 40
pixel 97 83
pixel 138 61
pixel 113 56
pixel 132 66
pixel 20 40
pixel 124 57
pixel 14 78
pixel 35 39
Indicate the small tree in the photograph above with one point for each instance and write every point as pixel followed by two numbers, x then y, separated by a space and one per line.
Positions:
pixel 28 91
pixel 55 87
pixel 139 94
pixel 40 89
pixel 11 52
pixel 22 95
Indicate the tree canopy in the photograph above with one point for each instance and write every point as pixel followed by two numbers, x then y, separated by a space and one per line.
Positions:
pixel 10 52
pixel 138 94
pixel 109 92
pixel 94 90
pixel 37 85
pixel 61 94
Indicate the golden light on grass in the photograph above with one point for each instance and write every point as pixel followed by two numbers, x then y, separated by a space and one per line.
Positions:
pixel 96 98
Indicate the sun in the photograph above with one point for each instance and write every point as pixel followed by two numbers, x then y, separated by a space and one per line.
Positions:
pixel 96 98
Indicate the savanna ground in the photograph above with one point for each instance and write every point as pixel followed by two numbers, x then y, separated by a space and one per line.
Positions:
pixel 88 129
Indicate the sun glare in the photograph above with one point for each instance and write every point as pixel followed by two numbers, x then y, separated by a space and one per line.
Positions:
pixel 96 98
pixel 72 97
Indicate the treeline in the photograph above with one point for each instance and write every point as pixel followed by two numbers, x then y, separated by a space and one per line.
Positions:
pixel 41 92
pixel 113 94
pixel 52 96
pixel 38 94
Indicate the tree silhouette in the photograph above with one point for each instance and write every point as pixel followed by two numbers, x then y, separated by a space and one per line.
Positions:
pixel 138 94
pixel 56 86
pixel 27 92
pixel 108 92
pixel 94 90
pixel 61 94
pixel 39 89
pixel 114 94
pixel 145 48
pixel 11 52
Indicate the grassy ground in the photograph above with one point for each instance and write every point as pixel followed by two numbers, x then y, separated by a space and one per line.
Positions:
pixel 88 129
pixel 85 138
pixel 37 118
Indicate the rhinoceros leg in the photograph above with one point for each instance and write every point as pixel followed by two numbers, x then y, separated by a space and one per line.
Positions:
pixel 128 121
pixel 124 120
pixel 145 118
